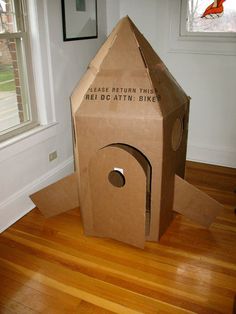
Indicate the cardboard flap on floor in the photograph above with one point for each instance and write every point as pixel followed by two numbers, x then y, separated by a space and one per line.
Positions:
pixel 58 197
pixel 194 204
pixel 131 123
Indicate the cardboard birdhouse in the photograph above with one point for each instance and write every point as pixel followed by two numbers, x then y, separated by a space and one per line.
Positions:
pixel 131 124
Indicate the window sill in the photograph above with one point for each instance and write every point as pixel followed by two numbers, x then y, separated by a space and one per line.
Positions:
pixel 26 140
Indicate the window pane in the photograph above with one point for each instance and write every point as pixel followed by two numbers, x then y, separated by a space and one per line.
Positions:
pixel 13 109
pixel 7 17
pixel 211 16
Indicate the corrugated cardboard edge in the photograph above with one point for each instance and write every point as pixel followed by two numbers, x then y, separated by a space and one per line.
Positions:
pixel 195 204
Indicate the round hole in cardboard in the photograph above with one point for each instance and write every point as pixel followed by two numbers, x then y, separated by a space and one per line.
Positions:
pixel 116 178
pixel 177 133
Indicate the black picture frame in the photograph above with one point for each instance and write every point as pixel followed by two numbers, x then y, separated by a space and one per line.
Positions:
pixel 79 19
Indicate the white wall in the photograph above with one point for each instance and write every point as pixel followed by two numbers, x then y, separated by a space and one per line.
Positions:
pixel 24 165
pixel 208 78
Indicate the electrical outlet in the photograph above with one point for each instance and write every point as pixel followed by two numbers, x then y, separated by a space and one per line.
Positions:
pixel 52 156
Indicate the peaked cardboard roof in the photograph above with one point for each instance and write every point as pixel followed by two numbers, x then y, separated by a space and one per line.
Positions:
pixel 127 56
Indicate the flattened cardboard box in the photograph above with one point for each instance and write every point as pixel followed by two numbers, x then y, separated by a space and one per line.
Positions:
pixel 131 124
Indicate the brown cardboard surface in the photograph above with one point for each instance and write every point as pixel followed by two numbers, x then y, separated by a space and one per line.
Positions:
pixel 127 104
pixel 112 205
pixel 194 204
pixel 129 113
pixel 58 197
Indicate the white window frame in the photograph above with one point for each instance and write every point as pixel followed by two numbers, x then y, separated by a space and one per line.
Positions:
pixel 21 38
pixel 180 40
pixel 41 57
pixel 43 82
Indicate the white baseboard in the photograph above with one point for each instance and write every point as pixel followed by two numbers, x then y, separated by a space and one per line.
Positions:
pixel 19 204
pixel 212 155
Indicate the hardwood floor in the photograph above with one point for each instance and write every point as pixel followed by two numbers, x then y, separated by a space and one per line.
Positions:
pixel 49 266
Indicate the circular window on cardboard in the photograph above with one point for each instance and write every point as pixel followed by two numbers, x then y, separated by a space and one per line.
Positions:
pixel 177 134
pixel 116 178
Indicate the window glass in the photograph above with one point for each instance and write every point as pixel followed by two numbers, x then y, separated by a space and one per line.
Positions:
pixel 211 16
pixel 15 106
pixel 7 17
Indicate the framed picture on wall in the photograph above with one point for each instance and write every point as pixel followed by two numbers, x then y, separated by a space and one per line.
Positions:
pixel 79 19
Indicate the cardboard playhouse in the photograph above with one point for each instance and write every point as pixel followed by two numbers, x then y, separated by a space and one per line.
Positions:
pixel 131 123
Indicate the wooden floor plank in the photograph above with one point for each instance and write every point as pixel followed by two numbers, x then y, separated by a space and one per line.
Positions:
pixel 35 300
pixel 49 266
pixel 88 308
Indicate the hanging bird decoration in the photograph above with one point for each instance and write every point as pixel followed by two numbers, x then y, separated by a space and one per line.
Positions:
pixel 215 10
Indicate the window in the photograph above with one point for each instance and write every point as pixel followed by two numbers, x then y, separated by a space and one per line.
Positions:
pixel 203 26
pixel 17 102
pixel 218 16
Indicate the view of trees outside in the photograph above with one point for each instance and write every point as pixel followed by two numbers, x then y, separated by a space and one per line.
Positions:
pixel 223 22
